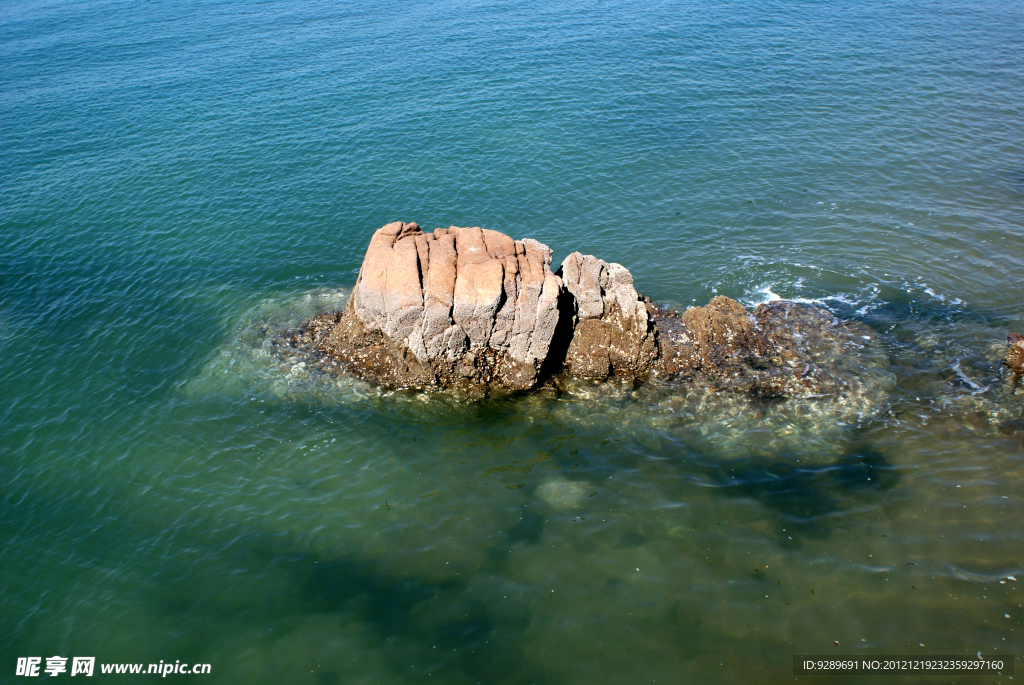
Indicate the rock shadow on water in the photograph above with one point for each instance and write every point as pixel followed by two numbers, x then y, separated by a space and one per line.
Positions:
pixel 226 585
pixel 552 496
pixel 808 498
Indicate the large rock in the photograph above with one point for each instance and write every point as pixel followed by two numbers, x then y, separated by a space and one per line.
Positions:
pixel 456 306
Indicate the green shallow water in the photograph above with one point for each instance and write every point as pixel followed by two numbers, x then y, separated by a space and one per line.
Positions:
pixel 179 182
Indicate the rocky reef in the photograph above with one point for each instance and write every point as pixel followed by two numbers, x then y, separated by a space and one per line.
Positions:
pixel 474 309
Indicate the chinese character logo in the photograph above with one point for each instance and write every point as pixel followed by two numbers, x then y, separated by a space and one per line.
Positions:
pixel 55 665
pixel 82 665
pixel 28 665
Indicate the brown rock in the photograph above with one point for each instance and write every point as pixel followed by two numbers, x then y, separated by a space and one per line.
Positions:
pixel 723 329
pixel 613 334
pixel 708 339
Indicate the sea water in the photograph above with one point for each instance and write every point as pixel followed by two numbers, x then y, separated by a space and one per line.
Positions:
pixel 180 182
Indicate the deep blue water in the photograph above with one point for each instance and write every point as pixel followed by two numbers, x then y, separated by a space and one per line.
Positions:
pixel 176 177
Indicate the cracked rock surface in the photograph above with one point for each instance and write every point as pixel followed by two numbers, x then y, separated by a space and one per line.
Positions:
pixel 458 306
pixel 613 333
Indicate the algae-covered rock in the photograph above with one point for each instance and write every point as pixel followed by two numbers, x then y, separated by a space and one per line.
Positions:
pixel 781 349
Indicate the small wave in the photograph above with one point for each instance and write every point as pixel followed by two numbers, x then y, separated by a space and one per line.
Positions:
pixel 861 305
pixel 942 298
pixel 749 259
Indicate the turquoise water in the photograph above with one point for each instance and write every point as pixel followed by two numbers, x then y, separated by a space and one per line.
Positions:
pixel 178 181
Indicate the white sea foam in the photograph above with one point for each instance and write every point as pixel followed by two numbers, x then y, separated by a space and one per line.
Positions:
pixel 747 259
pixel 862 304
pixel 962 376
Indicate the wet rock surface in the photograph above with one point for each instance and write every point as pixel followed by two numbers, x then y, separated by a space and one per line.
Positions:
pixel 781 349
pixel 474 309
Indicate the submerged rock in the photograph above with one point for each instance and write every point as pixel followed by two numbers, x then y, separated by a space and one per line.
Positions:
pixel 472 308
pixel 562 494
pixel 781 349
